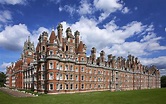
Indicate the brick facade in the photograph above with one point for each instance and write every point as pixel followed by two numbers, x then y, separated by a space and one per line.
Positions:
pixel 60 65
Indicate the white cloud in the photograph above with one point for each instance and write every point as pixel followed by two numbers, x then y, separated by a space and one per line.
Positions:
pixel 107 7
pixel 125 10
pixel 135 8
pixel 5 16
pixel 13 37
pixel 70 9
pixel 103 7
pixel 114 37
pixel 165 29
pixel 3 66
pixel 85 7
pixel 13 2
pixel 60 8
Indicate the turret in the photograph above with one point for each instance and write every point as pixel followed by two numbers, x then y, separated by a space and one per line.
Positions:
pixel 69 33
pixel 76 34
pixel 60 32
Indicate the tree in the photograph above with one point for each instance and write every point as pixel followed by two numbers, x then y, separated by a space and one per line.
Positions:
pixel 2 79
pixel 163 81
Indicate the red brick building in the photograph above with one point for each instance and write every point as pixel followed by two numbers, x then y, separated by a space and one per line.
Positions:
pixel 60 65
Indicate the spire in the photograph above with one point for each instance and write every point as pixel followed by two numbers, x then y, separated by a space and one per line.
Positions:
pixel 80 47
pixel 29 39
pixel 52 36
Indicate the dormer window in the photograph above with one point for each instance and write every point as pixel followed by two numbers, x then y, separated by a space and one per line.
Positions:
pixel 82 59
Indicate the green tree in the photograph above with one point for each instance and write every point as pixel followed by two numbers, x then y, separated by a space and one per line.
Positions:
pixel 2 79
pixel 163 81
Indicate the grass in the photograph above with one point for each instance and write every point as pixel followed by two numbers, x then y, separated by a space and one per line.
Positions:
pixel 153 96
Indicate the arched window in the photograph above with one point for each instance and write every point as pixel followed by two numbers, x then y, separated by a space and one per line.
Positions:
pixel 43 48
pixel 51 65
pixel 66 48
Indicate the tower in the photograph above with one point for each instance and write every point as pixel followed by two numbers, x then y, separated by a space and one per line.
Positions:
pixel 28 49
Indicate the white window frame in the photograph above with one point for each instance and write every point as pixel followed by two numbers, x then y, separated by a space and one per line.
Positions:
pixel 51 65
pixel 50 86
pixel 51 77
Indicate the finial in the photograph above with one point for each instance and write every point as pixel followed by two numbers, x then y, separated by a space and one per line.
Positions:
pixel 28 38
pixel 81 38
pixel 52 28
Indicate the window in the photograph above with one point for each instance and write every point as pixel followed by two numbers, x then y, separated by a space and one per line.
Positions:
pixel 51 76
pixel 60 55
pixel 51 86
pixel 71 77
pixel 82 77
pixel 82 86
pixel 95 71
pixel 66 86
pixel 95 78
pixel 98 79
pixel 82 69
pixel 60 76
pixel 43 77
pixel 51 53
pixel 71 49
pixel 76 59
pixel 90 78
pixel 57 86
pixel 67 77
pixel 82 59
pixel 51 65
pixel 71 67
pixel 42 56
pixel 61 67
pixel 43 48
pixel 60 86
pixel 57 66
pixel 71 86
pixel 66 48
pixel 57 76
pixel 90 86
pixel 76 86
pixel 98 72
pixel 43 68
pixel 66 68
pixel 95 86
pixel 90 71
pixel 98 86
pixel 76 69
pixel 76 78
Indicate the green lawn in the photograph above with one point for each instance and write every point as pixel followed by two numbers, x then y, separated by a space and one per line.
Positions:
pixel 154 96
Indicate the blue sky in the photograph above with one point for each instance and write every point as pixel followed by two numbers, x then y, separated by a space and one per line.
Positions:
pixel 119 27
